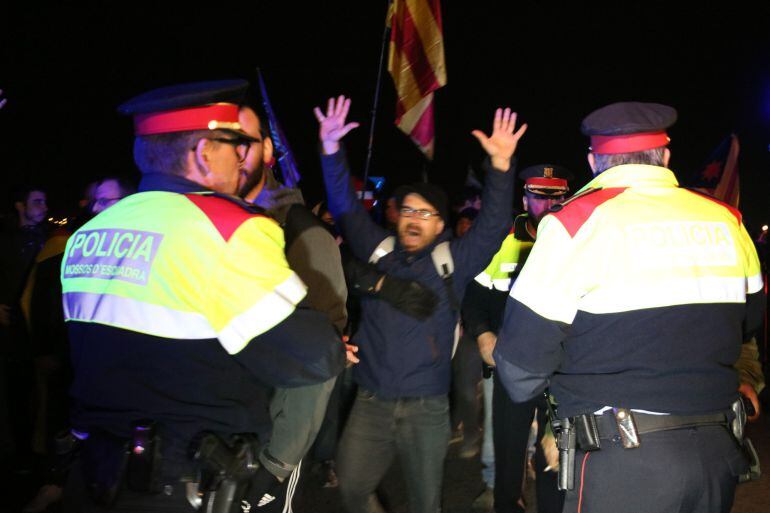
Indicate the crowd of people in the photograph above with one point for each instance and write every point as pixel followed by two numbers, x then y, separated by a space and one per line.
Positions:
pixel 196 340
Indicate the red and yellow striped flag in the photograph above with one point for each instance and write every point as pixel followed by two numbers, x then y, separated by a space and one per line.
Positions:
pixel 416 63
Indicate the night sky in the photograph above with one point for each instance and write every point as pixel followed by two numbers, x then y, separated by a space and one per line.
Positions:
pixel 65 68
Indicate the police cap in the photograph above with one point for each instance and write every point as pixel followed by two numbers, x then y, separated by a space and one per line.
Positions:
pixel 193 106
pixel 546 179
pixel 627 127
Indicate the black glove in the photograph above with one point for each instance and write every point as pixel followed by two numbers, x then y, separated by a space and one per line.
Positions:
pixel 408 296
pixel 264 489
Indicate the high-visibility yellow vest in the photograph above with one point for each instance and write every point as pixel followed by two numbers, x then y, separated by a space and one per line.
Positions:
pixel 180 266
pixel 511 256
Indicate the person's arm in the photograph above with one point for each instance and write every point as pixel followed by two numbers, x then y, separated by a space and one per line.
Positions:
pixel 474 250
pixel 539 312
pixel 407 296
pixel 315 257
pixel 358 229
pixel 257 308
pixel 477 311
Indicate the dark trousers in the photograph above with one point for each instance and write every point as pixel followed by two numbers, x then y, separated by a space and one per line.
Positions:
pixel 415 429
pixel 684 470
pixel 511 424
pixel 466 376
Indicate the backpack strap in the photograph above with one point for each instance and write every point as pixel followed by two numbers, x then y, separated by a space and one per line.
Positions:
pixel 445 267
pixel 387 245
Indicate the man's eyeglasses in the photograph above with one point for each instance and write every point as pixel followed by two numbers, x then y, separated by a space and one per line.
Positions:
pixel 420 213
pixel 241 145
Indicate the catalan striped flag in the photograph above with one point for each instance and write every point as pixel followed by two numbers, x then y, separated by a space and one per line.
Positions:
pixel 416 63
pixel 719 177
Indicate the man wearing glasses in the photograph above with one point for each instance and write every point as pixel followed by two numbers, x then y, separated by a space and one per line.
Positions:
pixel 404 368
pixel 182 312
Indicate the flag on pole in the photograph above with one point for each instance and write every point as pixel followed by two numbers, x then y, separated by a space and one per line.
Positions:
pixel 416 63
pixel 719 177
pixel 284 158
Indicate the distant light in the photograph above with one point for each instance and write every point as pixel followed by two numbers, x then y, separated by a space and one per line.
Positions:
pixel 764 228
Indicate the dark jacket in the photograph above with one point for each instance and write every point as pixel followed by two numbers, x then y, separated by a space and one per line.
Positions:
pixel 402 356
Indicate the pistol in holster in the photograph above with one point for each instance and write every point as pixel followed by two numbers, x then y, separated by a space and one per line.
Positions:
pixel 738 428
pixel 226 471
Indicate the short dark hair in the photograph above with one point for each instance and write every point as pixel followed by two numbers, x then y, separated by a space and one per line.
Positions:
pixel 167 153
pixel 653 157
pixel 126 186
pixel 21 193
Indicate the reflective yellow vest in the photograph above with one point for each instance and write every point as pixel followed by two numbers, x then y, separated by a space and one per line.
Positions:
pixel 180 266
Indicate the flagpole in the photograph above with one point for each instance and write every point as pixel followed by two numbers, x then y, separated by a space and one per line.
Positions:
pixel 385 37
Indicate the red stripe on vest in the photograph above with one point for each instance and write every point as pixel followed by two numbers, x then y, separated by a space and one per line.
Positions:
pixel 734 211
pixel 225 215
pixel 575 213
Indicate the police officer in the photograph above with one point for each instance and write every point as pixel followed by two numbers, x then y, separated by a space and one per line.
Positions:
pixel 544 186
pixel 632 306
pixel 181 311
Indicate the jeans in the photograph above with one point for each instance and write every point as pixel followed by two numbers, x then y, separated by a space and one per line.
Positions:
pixel 415 429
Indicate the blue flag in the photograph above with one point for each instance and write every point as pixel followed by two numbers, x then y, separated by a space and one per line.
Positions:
pixel 287 166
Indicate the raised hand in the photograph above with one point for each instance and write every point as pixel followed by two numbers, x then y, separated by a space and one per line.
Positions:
pixel 501 145
pixel 3 101
pixel 332 125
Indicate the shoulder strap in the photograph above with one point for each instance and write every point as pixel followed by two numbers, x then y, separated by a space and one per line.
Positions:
pixel 387 245
pixel 442 259
pixel 445 266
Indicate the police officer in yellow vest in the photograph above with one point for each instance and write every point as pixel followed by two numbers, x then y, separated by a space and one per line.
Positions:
pixel 182 312
pixel 633 307
pixel 544 186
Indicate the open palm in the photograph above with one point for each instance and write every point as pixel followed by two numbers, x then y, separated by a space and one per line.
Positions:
pixel 332 126
pixel 501 145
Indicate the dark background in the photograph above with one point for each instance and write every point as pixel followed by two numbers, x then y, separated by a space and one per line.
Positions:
pixel 66 67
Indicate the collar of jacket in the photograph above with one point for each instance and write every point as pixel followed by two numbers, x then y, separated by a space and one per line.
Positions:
pixel 169 183
pixel 520 231
pixel 633 175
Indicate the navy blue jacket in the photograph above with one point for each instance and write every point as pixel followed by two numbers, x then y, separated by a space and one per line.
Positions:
pixel 400 355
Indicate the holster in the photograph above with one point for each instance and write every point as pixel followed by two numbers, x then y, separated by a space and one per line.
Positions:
pixel 738 429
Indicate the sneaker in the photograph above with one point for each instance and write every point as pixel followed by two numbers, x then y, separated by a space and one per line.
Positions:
pixel 484 502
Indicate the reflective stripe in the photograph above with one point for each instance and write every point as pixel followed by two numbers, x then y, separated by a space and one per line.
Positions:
pixel 263 315
pixel 754 283
pixel 501 284
pixel 668 293
pixel 135 315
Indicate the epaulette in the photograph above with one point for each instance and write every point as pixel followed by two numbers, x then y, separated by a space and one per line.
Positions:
pixel 559 206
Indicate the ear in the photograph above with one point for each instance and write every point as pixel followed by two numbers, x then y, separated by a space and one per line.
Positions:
pixel 202 151
pixel 19 205
pixel 267 149
pixel 525 202
pixel 666 157
pixel 592 162
pixel 440 226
